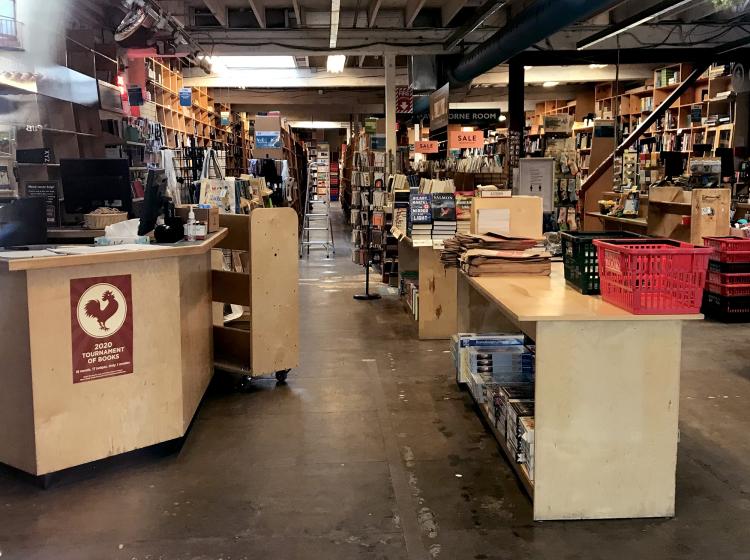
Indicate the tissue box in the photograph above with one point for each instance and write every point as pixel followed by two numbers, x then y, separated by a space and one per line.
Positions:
pixel 210 216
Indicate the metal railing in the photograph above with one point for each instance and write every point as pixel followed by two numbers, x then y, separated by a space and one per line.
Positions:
pixel 9 33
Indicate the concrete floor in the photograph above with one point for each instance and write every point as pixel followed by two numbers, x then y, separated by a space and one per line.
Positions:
pixel 372 452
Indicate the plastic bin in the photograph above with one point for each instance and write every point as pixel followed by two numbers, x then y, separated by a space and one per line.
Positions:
pixel 580 258
pixel 726 309
pixel 728 268
pixel 729 249
pixel 728 290
pixel 714 277
pixel 652 276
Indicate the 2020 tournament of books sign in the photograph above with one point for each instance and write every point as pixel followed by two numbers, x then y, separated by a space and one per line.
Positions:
pixel 101 317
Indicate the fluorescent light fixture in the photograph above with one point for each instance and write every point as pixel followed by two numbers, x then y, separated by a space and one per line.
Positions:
pixel 240 62
pixel 467 129
pixel 335 63
pixel 335 13
pixel 550 84
pixel 318 124
pixel 629 23
pixel 597 66
pixel 527 67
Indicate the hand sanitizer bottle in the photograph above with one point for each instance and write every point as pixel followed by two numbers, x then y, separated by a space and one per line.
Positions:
pixel 191 225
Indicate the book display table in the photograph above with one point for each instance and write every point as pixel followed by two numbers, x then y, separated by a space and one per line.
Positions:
pixel 103 353
pixel 606 395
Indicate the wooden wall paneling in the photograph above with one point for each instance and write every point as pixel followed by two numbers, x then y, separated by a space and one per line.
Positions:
pixel 274 271
pixel 17 442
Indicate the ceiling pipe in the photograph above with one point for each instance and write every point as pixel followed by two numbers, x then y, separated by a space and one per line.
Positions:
pixel 534 24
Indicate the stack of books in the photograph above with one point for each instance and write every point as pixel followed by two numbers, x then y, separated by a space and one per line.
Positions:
pixel 443 216
pixel 463 213
pixel 420 220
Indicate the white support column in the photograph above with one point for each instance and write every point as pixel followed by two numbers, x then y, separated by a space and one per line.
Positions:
pixel 389 62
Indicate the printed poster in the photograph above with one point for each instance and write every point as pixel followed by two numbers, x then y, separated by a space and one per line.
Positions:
pixel 101 312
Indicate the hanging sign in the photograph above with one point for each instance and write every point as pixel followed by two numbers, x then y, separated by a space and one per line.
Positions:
pixel 404 100
pixel 101 313
pixel 484 118
pixel 458 140
pixel 135 96
pixel 186 97
pixel 439 108
pixel 426 147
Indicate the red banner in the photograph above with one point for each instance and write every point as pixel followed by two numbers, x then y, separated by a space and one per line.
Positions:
pixel 101 313
pixel 426 147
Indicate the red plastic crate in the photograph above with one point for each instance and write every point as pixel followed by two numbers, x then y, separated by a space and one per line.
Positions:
pixel 652 276
pixel 727 278
pixel 732 256
pixel 729 290
pixel 729 243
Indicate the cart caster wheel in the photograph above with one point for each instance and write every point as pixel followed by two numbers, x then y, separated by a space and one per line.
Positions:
pixel 281 376
pixel 245 383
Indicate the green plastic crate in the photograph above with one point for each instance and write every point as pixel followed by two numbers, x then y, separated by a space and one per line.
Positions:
pixel 580 258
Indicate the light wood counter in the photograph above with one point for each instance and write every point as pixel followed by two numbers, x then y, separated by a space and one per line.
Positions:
pixel 56 413
pixel 606 395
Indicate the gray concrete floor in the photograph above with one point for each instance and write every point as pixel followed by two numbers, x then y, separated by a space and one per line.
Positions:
pixel 359 456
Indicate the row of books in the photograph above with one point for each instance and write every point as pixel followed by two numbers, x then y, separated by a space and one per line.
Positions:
pixel 499 371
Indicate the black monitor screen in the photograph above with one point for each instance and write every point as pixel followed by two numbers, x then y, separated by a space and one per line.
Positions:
pixel 23 222
pixel 91 183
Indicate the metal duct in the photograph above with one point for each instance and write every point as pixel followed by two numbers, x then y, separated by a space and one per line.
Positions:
pixel 535 23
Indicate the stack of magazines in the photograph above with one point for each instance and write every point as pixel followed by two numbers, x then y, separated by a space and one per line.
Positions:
pixel 456 247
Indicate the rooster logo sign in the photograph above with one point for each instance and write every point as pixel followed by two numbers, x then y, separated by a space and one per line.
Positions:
pixel 101 310
pixel 102 314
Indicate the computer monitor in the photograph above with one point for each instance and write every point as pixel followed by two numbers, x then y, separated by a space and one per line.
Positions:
pixel 153 199
pixel 23 222
pixel 88 184
pixel 674 164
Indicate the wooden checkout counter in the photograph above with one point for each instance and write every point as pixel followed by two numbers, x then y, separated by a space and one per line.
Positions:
pixel 102 353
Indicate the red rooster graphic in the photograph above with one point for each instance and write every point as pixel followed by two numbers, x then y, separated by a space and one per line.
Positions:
pixel 102 314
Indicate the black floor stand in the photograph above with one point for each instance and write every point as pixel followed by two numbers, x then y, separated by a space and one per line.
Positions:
pixel 367 295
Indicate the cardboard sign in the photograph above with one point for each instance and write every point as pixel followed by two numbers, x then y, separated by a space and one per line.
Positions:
pixel 101 317
pixel 426 147
pixel 459 140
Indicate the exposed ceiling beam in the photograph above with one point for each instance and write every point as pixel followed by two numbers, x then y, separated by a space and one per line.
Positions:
pixel 259 9
pixel 292 78
pixel 480 15
pixel 628 56
pixel 633 21
pixel 332 97
pixel 335 15
pixel 568 74
pixel 298 13
pixel 361 61
pixel 372 12
pixel 449 10
pixel 218 9
pixel 412 10
pixel 315 41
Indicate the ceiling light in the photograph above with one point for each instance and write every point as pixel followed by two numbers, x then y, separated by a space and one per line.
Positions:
pixel 239 62
pixel 502 118
pixel 550 84
pixel 597 66
pixel 335 13
pixel 467 129
pixel 335 63
pixel 527 67
pixel 629 23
